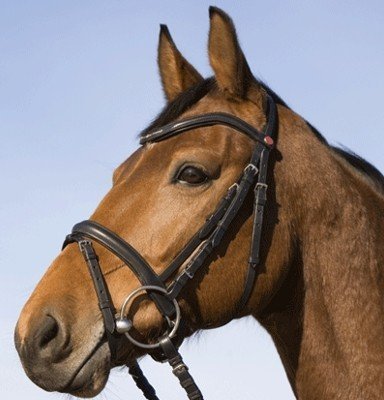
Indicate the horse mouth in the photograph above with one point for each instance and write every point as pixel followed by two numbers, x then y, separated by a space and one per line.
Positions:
pixel 92 375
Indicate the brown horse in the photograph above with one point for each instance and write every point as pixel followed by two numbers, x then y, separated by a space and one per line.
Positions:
pixel 319 291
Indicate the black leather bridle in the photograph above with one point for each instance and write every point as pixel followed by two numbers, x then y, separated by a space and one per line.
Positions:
pixel 164 289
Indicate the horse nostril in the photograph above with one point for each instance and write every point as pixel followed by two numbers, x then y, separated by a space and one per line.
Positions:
pixel 49 332
pixel 51 340
pixel 44 344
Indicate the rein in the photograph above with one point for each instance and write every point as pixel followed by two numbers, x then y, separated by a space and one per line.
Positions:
pixel 161 289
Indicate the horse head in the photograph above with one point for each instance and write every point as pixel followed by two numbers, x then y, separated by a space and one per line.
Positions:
pixel 161 197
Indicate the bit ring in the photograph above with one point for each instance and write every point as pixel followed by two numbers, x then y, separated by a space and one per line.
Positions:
pixel 174 324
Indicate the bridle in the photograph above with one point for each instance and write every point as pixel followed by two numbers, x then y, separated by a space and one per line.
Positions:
pixel 164 289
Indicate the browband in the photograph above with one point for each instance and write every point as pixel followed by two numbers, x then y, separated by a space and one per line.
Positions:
pixel 218 118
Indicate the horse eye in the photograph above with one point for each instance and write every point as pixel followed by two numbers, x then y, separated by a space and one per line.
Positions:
pixel 192 176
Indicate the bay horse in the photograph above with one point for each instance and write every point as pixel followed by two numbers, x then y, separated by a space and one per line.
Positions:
pixel 318 282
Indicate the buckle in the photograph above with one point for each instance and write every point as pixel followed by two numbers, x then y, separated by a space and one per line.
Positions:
pixel 260 194
pixel 261 185
pixel 189 273
pixel 83 242
pixel 179 368
pixel 235 186
pixel 252 167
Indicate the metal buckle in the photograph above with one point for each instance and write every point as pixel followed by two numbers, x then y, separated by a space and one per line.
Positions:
pixel 261 185
pixel 235 185
pixel 179 368
pixel 252 167
pixel 83 243
pixel 89 254
pixel 189 273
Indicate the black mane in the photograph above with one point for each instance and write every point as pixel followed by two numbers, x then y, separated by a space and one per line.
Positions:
pixel 181 104
pixel 191 96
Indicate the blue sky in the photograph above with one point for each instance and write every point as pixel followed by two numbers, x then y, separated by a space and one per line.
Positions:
pixel 79 80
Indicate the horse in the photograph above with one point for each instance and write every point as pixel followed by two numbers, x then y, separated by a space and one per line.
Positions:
pixel 316 259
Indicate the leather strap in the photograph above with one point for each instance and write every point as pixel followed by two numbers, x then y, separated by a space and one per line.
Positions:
pixel 180 370
pixel 114 243
pixel 260 198
pixel 142 382
pixel 201 235
pixel 105 303
pixel 175 128
pixel 222 225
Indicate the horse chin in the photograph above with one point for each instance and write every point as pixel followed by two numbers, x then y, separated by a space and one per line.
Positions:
pixel 93 375
pixel 127 354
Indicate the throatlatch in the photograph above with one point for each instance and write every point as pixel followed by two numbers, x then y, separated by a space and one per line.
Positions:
pixel 162 289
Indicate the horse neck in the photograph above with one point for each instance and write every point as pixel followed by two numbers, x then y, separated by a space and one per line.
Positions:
pixel 327 320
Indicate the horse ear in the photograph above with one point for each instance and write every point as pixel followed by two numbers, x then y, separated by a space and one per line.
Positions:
pixel 232 72
pixel 177 74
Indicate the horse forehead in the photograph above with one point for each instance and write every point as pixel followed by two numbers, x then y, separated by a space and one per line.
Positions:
pixel 217 138
pixel 206 144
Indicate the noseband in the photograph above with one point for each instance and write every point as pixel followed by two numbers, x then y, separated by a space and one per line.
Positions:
pixel 164 289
